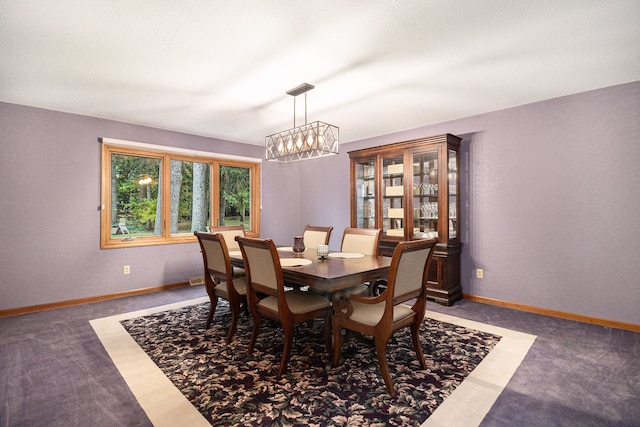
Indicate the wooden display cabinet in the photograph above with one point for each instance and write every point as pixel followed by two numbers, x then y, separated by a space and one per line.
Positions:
pixel 410 190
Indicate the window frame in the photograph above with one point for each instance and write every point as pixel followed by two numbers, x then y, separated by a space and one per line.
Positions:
pixel 165 237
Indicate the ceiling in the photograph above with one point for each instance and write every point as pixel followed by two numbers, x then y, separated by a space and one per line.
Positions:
pixel 220 68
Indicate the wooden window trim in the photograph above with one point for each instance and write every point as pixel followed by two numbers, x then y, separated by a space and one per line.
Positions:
pixel 166 238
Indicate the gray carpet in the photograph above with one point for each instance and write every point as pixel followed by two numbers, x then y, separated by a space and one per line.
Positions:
pixel 575 374
pixel 55 372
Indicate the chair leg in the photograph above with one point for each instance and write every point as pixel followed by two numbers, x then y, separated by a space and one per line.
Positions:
pixel 254 333
pixel 286 351
pixel 235 314
pixel 212 310
pixel 415 337
pixel 337 343
pixel 381 350
pixel 327 334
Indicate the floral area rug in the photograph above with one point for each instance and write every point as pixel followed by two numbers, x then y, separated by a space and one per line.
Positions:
pixel 229 387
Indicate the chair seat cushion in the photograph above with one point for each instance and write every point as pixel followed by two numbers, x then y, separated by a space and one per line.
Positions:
pixel 240 283
pixel 370 314
pixel 298 302
pixel 238 272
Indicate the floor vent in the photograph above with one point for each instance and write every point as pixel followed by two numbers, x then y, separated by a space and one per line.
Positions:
pixel 196 281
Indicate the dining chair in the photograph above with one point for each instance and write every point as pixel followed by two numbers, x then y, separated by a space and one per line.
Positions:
pixel 364 241
pixel 315 235
pixel 230 232
pixel 381 316
pixel 219 279
pixel 267 297
pixel 360 240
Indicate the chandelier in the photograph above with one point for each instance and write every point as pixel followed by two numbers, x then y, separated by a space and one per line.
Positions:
pixel 311 140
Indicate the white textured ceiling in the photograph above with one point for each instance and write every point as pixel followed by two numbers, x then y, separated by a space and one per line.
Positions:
pixel 221 68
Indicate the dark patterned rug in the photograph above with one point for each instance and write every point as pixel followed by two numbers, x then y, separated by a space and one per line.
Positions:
pixel 229 387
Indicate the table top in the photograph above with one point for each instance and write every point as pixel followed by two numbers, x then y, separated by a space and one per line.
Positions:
pixel 331 274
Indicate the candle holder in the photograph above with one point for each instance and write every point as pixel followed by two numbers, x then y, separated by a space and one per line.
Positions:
pixel 323 251
pixel 298 245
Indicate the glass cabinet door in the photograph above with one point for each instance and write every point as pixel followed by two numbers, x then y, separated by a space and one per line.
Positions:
pixel 365 194
pixel 416 188
pixel 452 165
pixel 393 196
pixel 425 195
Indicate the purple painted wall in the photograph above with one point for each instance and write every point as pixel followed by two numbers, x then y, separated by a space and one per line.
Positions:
pixel 551 203
pixel 49 218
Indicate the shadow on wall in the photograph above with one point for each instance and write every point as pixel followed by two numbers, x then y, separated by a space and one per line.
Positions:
pixel 471 256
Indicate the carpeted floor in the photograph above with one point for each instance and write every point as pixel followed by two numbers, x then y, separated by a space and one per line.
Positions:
pixel 55 371
pixel 228 387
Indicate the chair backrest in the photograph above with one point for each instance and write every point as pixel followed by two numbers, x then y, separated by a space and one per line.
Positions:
pixel 262 266
pixel 360 240
pixel 315 235
pixel 229 232
pixel 215 255
pixel 408 270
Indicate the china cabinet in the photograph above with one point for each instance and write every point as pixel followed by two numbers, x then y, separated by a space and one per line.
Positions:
pixel 410 190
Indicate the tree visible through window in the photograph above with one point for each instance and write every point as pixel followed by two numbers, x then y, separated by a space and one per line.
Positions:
pixel 189 196
pixel 158 198
pixel 235 195
pixel 134 195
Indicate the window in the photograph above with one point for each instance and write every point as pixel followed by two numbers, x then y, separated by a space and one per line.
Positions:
pixel 151 197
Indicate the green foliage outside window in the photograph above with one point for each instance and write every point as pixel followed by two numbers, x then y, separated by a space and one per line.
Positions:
pixel 133 183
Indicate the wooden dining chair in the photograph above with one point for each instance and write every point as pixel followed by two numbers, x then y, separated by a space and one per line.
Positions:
pixel 219 279
pixel 360 240
pixel 230 232
pixel 364 241
pixel 267 297
pixel 381 316
pixel 315 235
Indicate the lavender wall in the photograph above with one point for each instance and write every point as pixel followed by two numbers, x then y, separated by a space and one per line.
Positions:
pixel 49 218
pixel 551 206
pixel 550 212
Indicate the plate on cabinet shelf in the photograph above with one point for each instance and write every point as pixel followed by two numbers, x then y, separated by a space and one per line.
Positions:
pixel 395 169
pixel 396 212
pixel 397 190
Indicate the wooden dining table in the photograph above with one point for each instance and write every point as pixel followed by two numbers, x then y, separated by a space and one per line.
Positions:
pixel 331 274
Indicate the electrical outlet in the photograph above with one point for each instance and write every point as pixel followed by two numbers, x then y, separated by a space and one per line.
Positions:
pixel 126 269
pixel 479 273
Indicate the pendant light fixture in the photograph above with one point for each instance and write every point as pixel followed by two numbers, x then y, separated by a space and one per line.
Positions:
pixel 311 140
